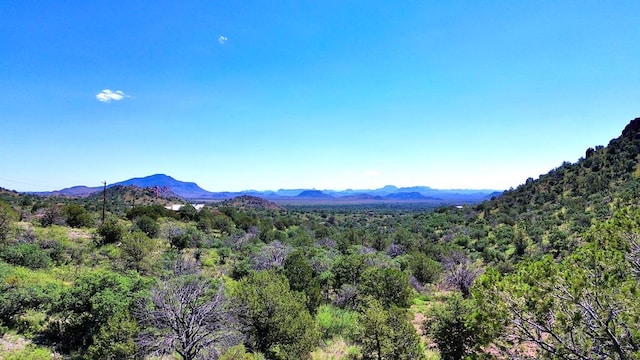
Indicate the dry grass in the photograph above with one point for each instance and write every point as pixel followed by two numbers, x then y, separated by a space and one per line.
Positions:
pixel 10 343
pixel 421 305
pixel 336 349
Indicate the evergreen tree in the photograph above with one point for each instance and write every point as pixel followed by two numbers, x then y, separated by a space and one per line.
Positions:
pixel 279 324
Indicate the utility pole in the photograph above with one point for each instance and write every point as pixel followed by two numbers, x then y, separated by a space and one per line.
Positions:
pixel 104 199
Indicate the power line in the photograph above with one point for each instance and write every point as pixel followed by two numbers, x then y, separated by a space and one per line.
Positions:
pixel 23 183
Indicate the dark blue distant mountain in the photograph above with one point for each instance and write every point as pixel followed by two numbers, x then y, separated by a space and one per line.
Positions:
pixel 289 192
pixel 187 190
pixel 418 189
pixel 75 191
pixel 190 190
pixel 315 194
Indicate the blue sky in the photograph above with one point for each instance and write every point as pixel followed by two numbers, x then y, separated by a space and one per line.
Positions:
pixel 311 94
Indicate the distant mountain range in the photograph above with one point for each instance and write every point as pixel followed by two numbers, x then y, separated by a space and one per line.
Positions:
pixel 389 193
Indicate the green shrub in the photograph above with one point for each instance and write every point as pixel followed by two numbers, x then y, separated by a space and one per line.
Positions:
pixel 7 217
pixel 333 321
pixel 353 353
pixel 115 339
pixel 451 329
pixel 110 232
pixel 27 255
pixel 22 297
pixel 135 250
pixel 209 258
pixel 83 310
pixel 76 216
pixel 239 352
pixel 424 268
pixel 31 322
pixel 390 286
pixel 148 226
pixel 56 250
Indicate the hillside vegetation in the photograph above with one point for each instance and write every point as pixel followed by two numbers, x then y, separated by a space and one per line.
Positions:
pixel 547 270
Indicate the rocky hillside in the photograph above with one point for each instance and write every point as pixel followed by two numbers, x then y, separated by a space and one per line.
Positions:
pixel 120 199
pixel 547 215
pixel 250 202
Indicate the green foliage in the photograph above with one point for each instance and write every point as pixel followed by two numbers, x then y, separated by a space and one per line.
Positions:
pixel 425 269
pixel 389 286
pixel 148 225
pixel 335 322
pixel 586 304
pixel 387 334
pixel 23 290
pixel 205 220
pixel 76 216
pixel 452 328
pixel 7 217
pixel 209 258
pixel 31 322
pixel 153 211
pixel 348 269
pixel 375 335
pixel 405 339
pixel 300 276
pixel 110 231
pixel 115 339
pixel 244 221
pixel 222 223
pixel 135 251
pixel 89 304
pixel 188 212
pixel 280 325
pixel 25 254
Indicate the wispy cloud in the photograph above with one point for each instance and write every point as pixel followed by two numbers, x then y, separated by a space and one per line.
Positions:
pixel 106 96
pixel 222 39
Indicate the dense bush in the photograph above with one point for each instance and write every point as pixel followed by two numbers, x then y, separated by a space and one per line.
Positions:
pixel 92 309
pixel 423 268
pixel 135 250
pixel 453 330
pixel 76 216
pixel 25 254
pixel 153 211
pixel 7 217
pixel 148 225
pixel 110 232
pixel 279 324
pixel 21 292
pixel 389 286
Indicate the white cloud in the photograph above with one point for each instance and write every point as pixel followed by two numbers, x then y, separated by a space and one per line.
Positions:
pixel 107 95
pixel 222 39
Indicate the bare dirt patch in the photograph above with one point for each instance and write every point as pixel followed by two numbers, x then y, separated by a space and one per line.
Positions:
pixel 12 343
